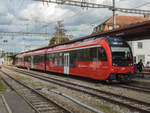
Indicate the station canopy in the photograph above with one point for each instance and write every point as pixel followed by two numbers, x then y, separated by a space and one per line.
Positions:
pixel 132 32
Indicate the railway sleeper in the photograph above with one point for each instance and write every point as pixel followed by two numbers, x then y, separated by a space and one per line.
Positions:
pixel 42 105
pixel 46 109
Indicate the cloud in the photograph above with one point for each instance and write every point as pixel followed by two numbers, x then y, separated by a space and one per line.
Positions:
pixel 3 9
pixel 21 15
pixel 6 19
pixel 38 12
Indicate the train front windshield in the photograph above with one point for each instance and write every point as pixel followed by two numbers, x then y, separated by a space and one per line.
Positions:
pixel 121 53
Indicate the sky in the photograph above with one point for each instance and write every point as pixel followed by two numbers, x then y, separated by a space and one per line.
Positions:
pixel 33 16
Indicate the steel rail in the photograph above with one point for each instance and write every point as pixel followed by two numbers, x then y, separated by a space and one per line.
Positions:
pixel 36 92
pixel 13 89
pixel 134 87
pixel 90 91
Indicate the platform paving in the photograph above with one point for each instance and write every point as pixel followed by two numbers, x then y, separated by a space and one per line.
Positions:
pixel 16 103
pixel 2 106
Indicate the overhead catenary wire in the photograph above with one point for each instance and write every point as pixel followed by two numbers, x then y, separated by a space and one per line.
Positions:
pixel 95 5
pixel 141 5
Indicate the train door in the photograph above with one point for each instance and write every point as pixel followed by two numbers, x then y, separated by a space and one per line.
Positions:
pixel 66 63
pixel 32 62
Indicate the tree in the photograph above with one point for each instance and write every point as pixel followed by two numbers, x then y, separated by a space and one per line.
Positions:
pixel 59 36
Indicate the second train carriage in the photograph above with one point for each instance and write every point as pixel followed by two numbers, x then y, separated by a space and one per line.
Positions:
pixel 19 61
pixel 100 59
pixel 35 60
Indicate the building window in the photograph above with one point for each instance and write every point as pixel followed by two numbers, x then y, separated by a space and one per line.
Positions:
pixel 110 27
pixel 140 45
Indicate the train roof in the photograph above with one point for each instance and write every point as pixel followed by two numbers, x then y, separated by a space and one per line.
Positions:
pixel 42 51
pixel 131 32
pixel 77 44
pixel 20 55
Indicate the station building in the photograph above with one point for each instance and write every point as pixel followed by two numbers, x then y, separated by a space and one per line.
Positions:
pixel 141 49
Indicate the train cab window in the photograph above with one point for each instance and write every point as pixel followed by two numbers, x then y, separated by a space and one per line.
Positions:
pixel 102 54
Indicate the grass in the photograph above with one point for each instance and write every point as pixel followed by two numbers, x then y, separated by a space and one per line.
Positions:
pixel 104 108
pixel 35 83
pixel 39 84
pixel 99 85
pixel 107 109
pixel 21 77
pixel 2 86
pixel 51 87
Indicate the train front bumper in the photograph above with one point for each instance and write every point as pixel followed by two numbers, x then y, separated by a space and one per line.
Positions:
pixel 120 76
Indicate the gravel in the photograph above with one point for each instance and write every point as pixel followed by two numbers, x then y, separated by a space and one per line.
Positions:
pixel 85 98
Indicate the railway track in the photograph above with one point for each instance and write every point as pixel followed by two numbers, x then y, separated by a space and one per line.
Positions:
pixel 39 102
pixel 127 86
pixel 130 103
pixel 134 87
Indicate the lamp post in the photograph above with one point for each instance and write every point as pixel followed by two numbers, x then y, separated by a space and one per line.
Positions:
pixel 5 41
pixel 114 17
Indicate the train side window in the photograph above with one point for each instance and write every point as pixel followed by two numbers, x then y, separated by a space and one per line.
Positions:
pixel 43 58
pixel 37 59
pixel 73 58
pixel 26 58
pixel 29 58
pixel 47 57
pixel 93 54
pixel 79 55
pixel 34 60
pixel 55 59
pixel 50 57
pixel 60 59
pixel 86 54
pixel 102 54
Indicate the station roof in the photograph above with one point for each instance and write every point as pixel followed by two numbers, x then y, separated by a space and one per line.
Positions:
pixel 133 32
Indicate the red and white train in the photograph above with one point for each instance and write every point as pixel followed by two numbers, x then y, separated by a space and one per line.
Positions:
pixel 103 59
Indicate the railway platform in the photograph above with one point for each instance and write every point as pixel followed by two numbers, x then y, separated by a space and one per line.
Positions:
pixel 142 78
pixel 16 103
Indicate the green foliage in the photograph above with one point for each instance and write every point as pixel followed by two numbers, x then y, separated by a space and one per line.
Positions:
pixel 2 86
pixel 107 109
pixel 59 35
